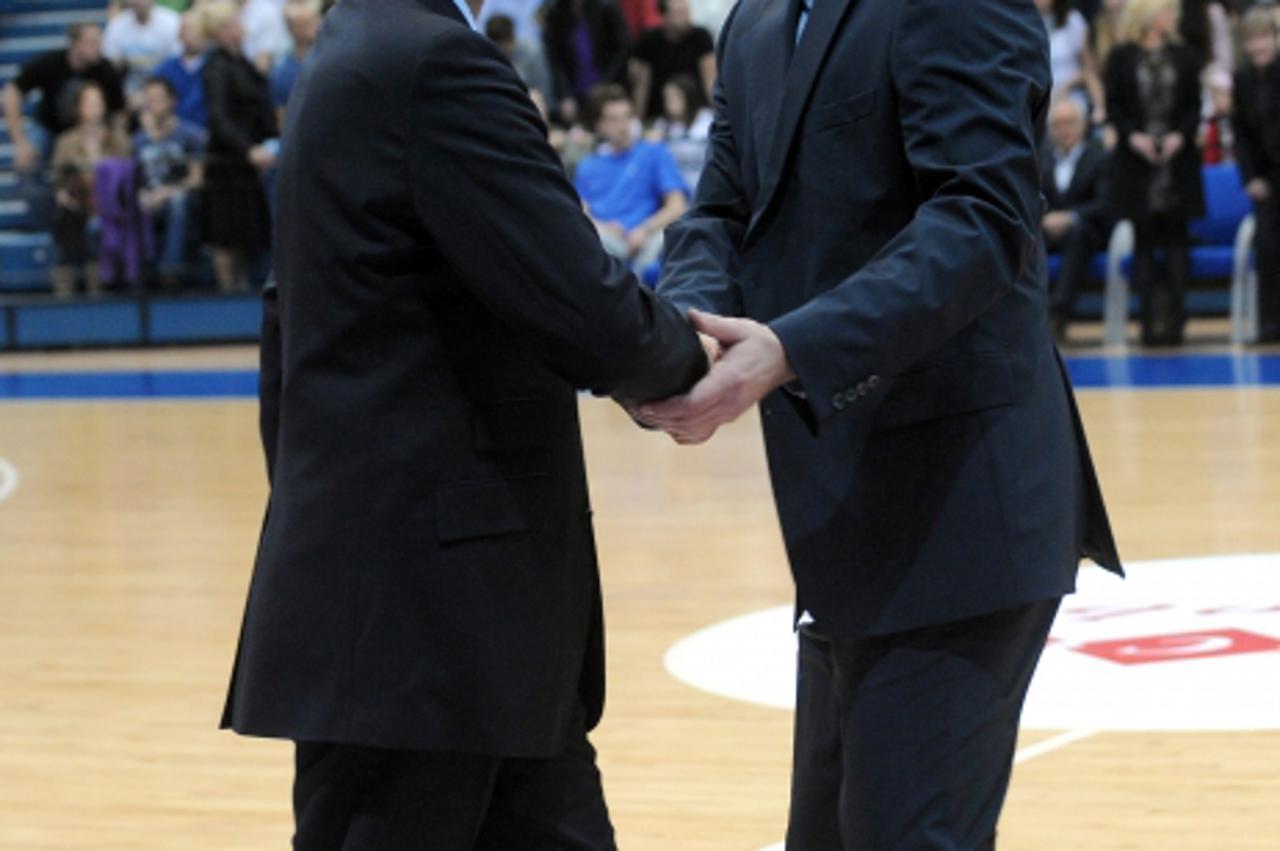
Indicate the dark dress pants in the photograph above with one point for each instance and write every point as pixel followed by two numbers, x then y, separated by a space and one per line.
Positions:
pixel 905 742
pixel 353 798
pixel 1078 247
pixel 1267 244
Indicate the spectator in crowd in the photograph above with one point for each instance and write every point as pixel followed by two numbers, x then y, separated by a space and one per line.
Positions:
pixel 58 76
pixel 266 38
pixel 526 15
pixel 138 38
pixel 1257 125
pixel 1153 100
pixel 170 154
pixel 235 217
pixel 302 18
pixel 1071 58
pixel 586 45
pixel 573 144
pixel 1108 29
pixel 185 72
pixel 1073 178
pixel 1205 28
pixel 641 15
pixel 684 127
pixel 1217 138
pixel 631 189
pixel 76 154
pixel 675 48
pixel 525 56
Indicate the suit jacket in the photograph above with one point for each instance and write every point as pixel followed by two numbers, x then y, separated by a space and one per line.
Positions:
pixel 426 577
pixel 1086 196
pixel 1257 124
pixel 875 199
pixel 1131 175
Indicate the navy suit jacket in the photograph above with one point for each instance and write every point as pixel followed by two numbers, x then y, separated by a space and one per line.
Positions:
pixel 427 576
pixel 873 196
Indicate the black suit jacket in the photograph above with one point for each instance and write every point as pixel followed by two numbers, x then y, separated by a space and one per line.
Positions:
pixel 875 199
pixel 1131 175
pixel 1257 125
pixel 426 577
pixel 1086 195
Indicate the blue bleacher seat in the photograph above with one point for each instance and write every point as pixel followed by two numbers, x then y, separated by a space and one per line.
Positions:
pixel 1213 236
pixel 25 259
pixel 16 51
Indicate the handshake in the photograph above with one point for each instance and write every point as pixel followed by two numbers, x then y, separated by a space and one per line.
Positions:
pixel 746 362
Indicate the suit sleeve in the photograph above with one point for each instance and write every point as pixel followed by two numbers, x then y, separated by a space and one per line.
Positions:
pixel 702 246
pixel 967 88
pixel 270 377
pixel 493 196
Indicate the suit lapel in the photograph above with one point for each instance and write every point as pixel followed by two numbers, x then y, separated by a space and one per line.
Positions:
pixel 810 56
pixel 772 43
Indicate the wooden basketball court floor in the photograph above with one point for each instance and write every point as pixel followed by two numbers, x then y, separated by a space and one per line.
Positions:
pixel 127 530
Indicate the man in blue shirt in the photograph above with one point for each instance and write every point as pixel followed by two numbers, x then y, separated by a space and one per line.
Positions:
pixel 170 152
pixel 185 72
pixel 632 189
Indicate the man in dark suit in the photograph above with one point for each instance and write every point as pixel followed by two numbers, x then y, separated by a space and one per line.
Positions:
pixel 1076 224
pixel 871 206
pixel 424 618
pixel 1256 116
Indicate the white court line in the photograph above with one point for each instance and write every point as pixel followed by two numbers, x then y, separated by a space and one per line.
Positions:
pixel 1047 746
pixel 1052 744
pixel 8 479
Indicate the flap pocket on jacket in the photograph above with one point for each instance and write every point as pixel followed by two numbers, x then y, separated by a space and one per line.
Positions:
pixel 486 509
pixel 947 389
pixel 824 116
pixel 514 424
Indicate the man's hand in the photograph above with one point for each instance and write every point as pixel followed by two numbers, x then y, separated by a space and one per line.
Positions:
pixel 636 241
pixel 1057 223
pixel 752 365
pixel 1258 189
pixel 262 157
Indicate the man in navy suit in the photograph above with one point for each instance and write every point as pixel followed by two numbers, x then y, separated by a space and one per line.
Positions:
pixel 865 244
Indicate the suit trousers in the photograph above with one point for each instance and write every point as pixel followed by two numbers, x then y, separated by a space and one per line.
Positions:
pixel 906 741
pixel 355 798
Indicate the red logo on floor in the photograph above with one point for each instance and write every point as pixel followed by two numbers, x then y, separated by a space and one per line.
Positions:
pixel 1179 647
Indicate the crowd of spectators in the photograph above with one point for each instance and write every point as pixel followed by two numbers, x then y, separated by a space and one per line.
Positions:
pixel 1145 92
pixel 150 153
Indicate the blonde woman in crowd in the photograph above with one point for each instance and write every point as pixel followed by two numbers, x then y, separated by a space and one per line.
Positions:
pixel 236 220
pixel 1153 102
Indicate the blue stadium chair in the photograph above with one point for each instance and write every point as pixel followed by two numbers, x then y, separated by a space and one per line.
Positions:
pixel 25 259
pixel 1215 256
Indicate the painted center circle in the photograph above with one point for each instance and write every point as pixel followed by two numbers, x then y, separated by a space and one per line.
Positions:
pixel 1190 644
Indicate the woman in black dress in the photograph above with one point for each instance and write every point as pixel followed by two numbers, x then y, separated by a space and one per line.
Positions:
pixel 236 220
pixel 1153 100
